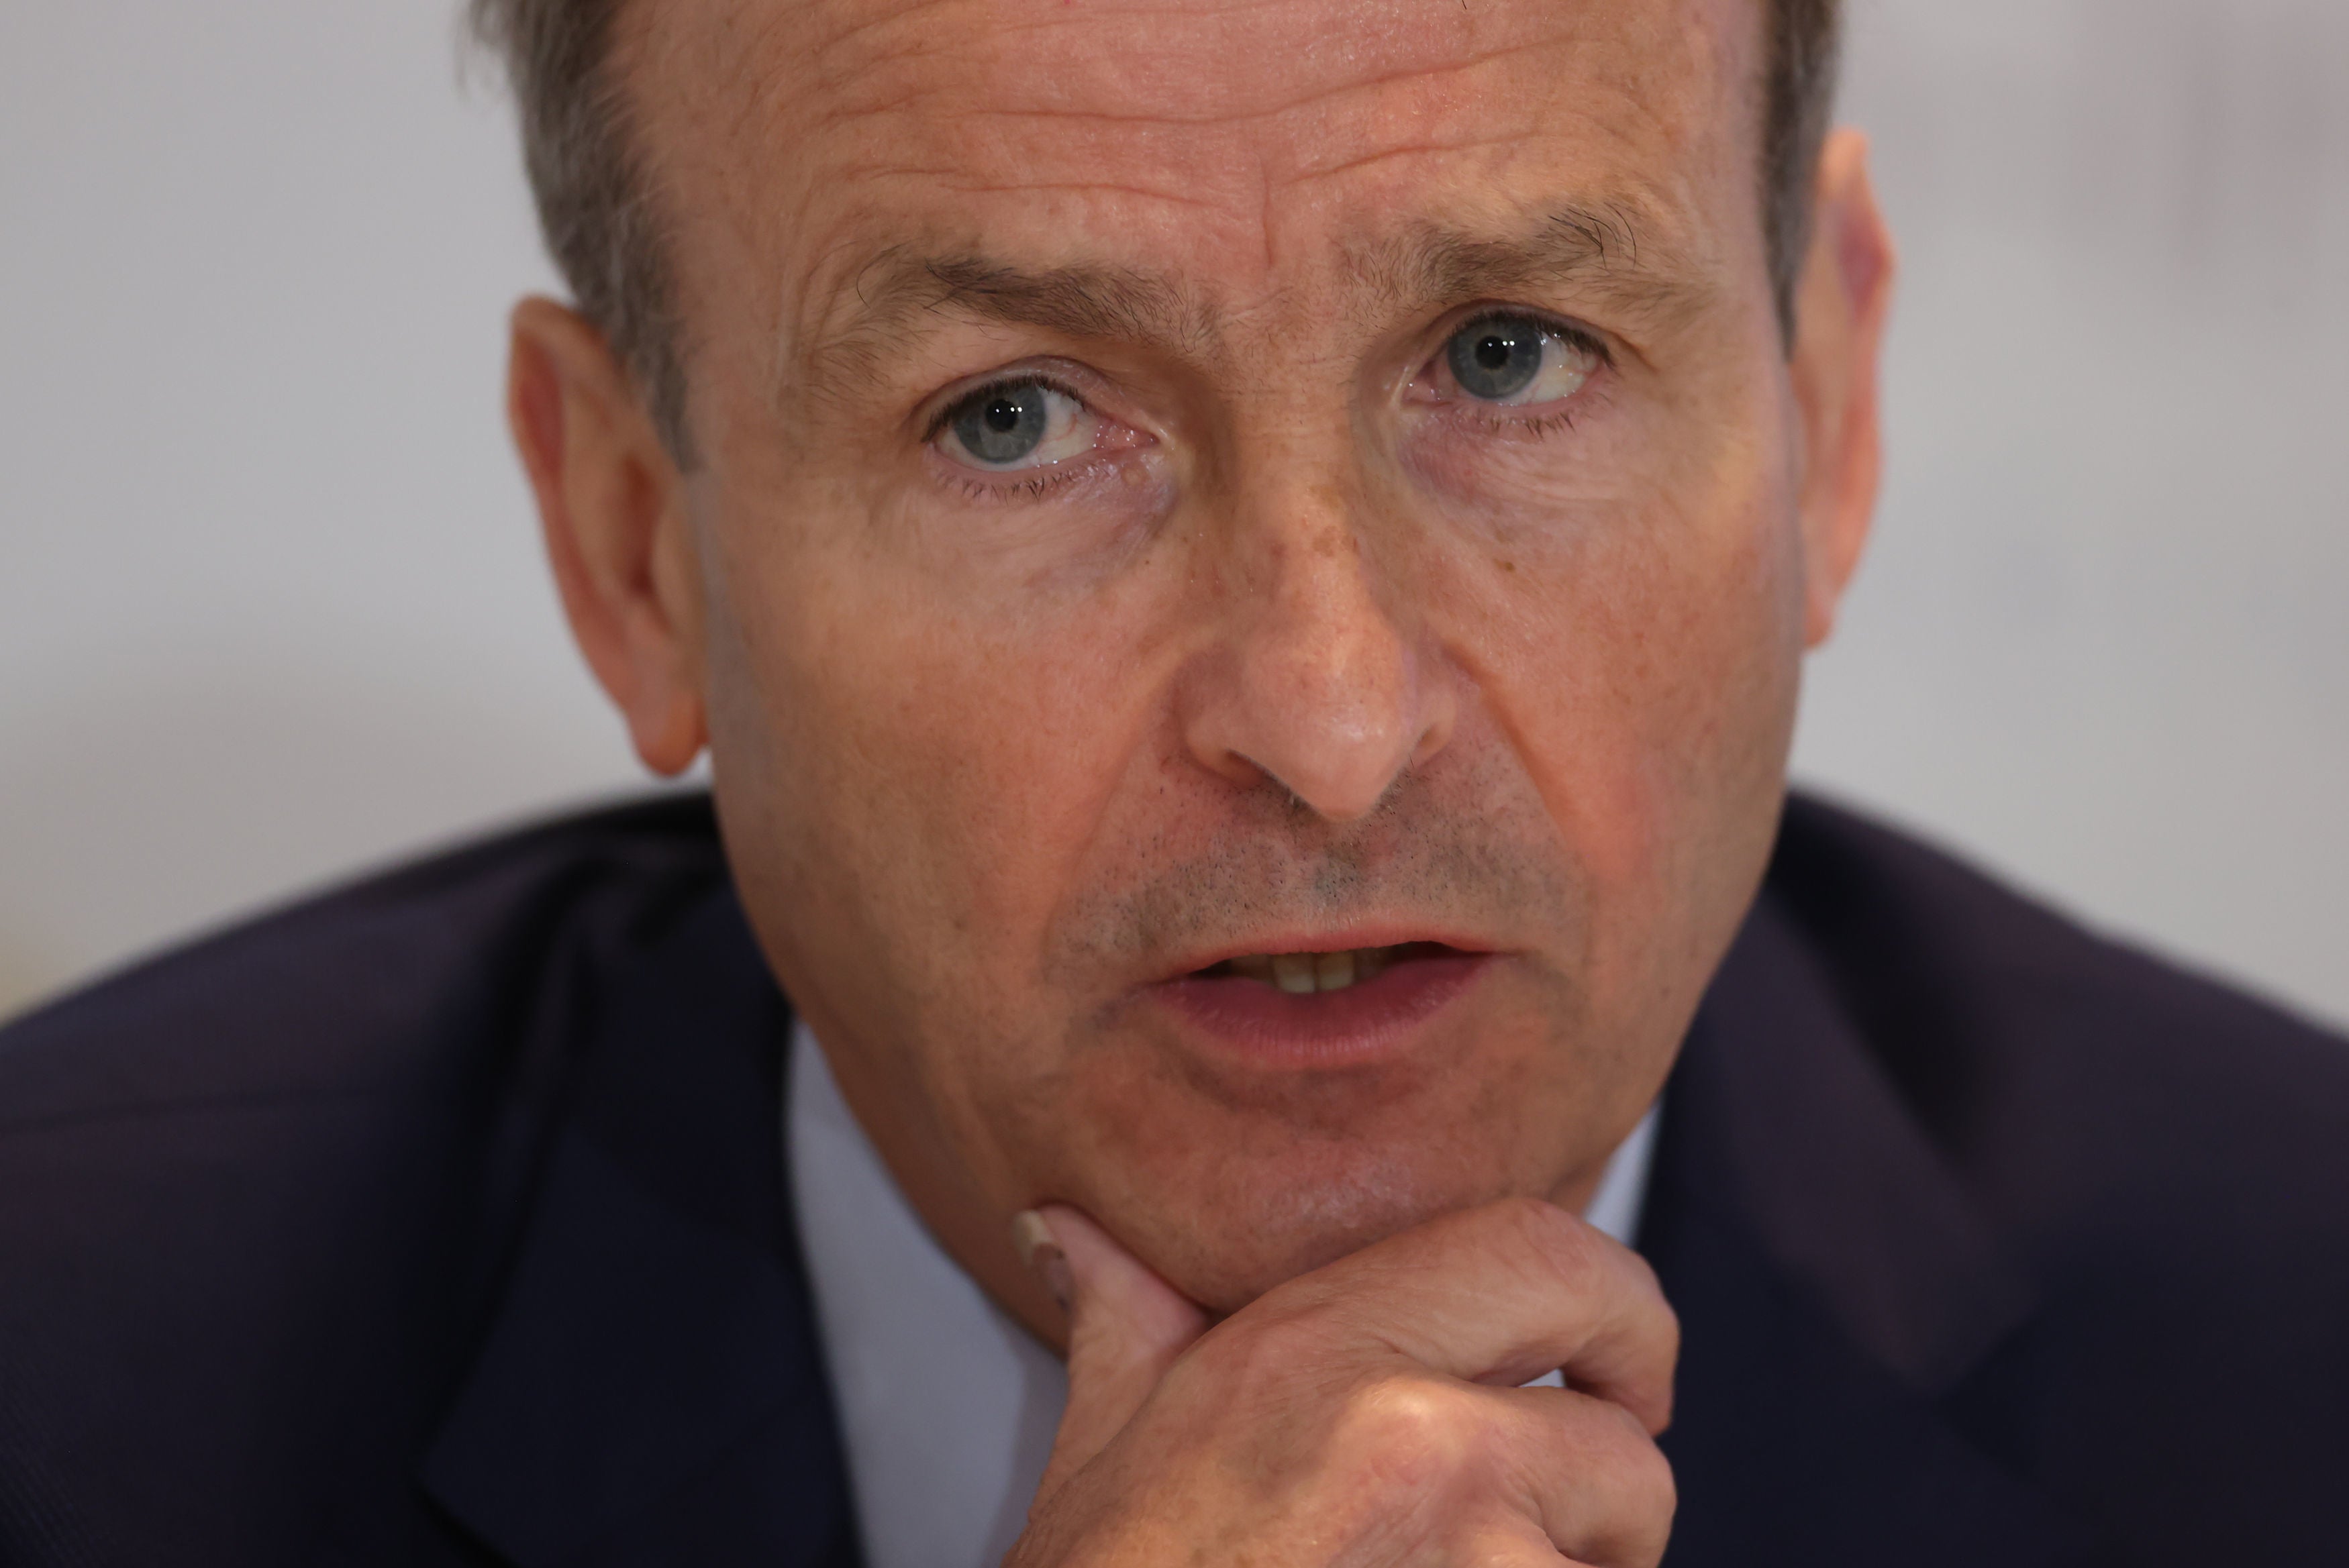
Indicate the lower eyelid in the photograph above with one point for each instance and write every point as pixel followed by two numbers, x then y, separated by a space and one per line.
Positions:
pixel 1506 419
pixel 985 485
pixel 1013 485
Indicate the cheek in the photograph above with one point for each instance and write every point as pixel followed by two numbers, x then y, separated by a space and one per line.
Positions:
pixel 933 767
pixel 1642 649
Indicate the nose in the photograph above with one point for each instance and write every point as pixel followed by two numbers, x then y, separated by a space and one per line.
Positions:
pixel 1317 685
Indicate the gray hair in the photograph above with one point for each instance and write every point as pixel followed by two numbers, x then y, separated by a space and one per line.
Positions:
pixel 603 229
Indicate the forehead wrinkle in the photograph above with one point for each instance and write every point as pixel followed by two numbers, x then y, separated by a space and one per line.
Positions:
pixel 1172 116
pixel 1324 64
pixel 1080 187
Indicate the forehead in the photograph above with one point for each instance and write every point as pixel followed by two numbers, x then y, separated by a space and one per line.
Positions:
pixel 1237 146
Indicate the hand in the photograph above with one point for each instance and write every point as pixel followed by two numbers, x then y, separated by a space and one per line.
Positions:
pixel 1368 1413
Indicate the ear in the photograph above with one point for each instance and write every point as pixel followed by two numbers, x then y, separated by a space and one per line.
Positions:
pixel 611 502
pixel 1845 295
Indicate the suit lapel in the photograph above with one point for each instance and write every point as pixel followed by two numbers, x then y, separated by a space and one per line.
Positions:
pixel 650 1391
pixel 1835 1285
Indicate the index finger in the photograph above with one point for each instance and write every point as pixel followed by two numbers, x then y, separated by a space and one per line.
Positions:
pixel 1501 1294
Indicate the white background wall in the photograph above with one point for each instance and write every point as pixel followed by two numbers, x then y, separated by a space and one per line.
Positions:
pixel 271 606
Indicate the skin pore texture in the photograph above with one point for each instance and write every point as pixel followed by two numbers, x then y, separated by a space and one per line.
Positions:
pixel 1299 646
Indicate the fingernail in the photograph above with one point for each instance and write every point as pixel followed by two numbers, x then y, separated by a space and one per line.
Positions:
pixel 1042 1254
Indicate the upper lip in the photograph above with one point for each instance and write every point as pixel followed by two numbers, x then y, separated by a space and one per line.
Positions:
pixel 1345 939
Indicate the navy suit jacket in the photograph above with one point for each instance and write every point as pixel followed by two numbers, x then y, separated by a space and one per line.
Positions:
pixel 442 1220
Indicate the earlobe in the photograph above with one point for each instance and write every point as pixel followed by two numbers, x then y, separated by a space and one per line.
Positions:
pixel 1846 294
pixel 611 509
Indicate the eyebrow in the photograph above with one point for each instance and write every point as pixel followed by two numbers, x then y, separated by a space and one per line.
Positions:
pixel 885 300
pixel 1597 247
pixel 1600 252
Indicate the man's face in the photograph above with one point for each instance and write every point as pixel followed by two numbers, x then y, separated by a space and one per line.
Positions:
pixel 1188 486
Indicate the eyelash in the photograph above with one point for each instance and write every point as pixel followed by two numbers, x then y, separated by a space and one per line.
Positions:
pixel 1036 488
pixel 1538 428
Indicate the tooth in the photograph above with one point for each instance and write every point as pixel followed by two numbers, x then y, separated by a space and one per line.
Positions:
pixel 1293 973
pixel 1255 966
pixel 1334 971
pixel 1370 963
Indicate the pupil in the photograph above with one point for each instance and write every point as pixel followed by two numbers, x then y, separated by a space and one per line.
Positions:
pixel 1495 360
pixel 1002 417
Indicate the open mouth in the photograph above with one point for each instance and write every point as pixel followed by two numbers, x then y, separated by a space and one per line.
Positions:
pixel 1325 1008
pixel 1307 974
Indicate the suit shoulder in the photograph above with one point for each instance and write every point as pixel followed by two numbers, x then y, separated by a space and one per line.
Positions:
pixel 352 991
pixel 258 1195
pixel 2163 1157
pixel 2055 1064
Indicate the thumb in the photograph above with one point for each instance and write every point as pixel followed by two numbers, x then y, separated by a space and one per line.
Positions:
pixel 1126 1327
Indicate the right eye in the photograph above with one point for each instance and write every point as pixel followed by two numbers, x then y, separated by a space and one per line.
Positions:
pixel 1016 425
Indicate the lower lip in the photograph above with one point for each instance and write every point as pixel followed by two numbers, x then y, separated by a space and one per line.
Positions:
pixel 1367 1020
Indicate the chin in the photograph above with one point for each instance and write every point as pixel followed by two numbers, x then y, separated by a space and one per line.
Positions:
pixel 1257 1224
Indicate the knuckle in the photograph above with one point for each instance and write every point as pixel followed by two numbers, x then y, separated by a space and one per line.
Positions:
pixel 1653 1303
pixel 1667 1325
pixel 1649 1479
pixel 1644 1276
pixel 1641 1497
pixel 1653 1526
pixel 1409 1431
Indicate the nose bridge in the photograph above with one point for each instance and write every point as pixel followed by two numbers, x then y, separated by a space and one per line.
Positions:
pixel 1323 615
pixel 1320 684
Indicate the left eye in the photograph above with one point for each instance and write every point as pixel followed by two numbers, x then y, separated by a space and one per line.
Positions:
pixel 1514 360
pixel 1017 425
